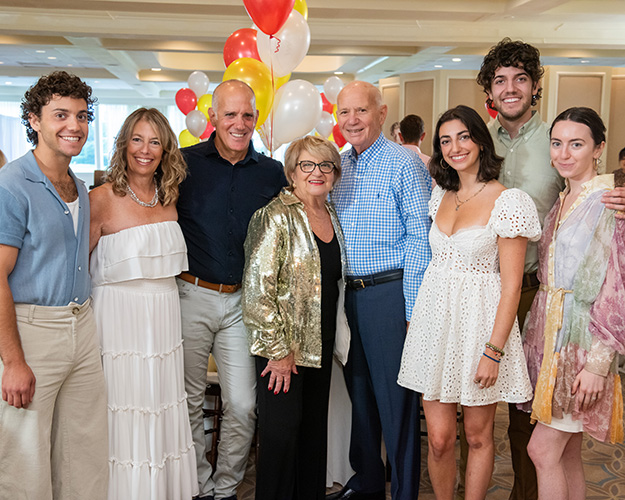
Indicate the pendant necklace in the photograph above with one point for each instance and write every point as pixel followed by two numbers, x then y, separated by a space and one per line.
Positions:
pixel 460 202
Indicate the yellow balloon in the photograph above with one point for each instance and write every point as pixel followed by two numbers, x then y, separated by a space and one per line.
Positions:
pixel 205 102
pixel 278 82
pixel 301 7
pixel 334 108
pixel 186 139
pixel 256 75
pixel 331 137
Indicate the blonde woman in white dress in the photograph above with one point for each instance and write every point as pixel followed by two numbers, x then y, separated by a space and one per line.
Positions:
pixel 137 250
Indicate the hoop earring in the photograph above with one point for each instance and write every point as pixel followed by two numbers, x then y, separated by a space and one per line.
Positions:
pixel 551 163
pixel 442 163
pixel 596 162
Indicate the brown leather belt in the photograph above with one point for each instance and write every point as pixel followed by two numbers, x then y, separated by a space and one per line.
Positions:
pixel 530 280
pixel 189 278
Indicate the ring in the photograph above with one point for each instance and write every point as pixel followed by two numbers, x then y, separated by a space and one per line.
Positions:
pixel 481 386
pixel 476 381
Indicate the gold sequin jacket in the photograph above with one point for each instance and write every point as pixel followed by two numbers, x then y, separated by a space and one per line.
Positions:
pixel 281 295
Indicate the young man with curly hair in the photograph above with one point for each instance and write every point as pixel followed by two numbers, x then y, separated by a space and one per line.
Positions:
pixel 53 427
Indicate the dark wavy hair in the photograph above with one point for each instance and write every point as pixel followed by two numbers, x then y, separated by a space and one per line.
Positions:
pixel 506 54
pixel 40 94
pixel 585 116
pixel 490 164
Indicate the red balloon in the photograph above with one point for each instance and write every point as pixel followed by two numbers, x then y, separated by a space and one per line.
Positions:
pixel 242 43
pixel 338 137
pixel 209 130
pixel 492 112
pixel 269 15
pixel 327 105
pixel 186 100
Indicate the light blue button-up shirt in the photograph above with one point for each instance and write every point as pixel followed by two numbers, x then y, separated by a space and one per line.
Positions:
pixel 52 267
pixel 382 199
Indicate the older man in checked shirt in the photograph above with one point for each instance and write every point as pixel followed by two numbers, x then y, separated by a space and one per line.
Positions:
pixel 382 203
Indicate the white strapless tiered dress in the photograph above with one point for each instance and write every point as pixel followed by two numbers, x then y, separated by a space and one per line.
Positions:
pixel 137 309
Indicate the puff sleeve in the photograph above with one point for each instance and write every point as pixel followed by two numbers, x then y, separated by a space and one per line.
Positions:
pixel 515 215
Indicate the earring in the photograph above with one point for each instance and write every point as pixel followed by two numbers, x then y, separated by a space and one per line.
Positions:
pixel 534 99
pixel 444 166
pixel 489 103
pixel 596 164
pixel 551 163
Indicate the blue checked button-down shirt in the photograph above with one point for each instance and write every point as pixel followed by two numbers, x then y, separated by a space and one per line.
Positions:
pixel 382 199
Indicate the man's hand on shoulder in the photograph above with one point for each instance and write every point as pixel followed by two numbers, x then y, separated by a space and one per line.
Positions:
pixel 18 384
pixel 615 200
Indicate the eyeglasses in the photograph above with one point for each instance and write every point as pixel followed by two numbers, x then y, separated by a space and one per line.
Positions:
pixel 325 167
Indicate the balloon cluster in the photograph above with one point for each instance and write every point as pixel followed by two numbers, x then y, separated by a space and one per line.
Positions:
pixel 194 103
pixel 264 57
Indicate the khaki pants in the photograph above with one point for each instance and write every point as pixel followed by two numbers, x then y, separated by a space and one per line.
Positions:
pixel 57 448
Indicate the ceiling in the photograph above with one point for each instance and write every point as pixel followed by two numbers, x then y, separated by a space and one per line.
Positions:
pixel 114 44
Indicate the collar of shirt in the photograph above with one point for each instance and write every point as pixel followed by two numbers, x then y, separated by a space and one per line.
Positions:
pixel 363 158
pixel 525 132
pixel 211 150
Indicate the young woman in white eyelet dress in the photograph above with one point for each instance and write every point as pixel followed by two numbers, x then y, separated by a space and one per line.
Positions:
pixel 137 250
pixel 463 344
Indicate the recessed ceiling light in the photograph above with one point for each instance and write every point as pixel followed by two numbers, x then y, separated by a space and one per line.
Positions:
pixel 40 51
pixel 156 69
pixel 456 59
pixel 438 65
pixel 96 81
pixel 338 72
pixel 51 57
pixel 584 61
pixel 69 65
pixel 1 62
pixel 8 83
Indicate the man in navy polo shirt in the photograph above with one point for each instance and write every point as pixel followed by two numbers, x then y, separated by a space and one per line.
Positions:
pixel 53 427
pixel 227 182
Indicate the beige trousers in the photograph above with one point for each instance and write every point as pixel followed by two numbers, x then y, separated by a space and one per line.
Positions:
pixel 57 448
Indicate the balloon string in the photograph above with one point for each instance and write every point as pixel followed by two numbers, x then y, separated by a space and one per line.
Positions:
pixel 273 95
pixel 278 42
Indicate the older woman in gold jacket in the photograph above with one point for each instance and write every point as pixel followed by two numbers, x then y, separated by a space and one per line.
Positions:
pixel 291 306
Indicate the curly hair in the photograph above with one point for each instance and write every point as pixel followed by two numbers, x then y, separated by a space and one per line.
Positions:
pixel 59 83
pixel 316 146
pixel 490 163
pixel 506 54
pixel 170 172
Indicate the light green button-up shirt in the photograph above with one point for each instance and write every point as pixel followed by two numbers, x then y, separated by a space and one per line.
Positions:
pixel 527 167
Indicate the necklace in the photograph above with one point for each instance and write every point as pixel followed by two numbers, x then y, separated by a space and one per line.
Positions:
pixel 460 202
pixel 136 199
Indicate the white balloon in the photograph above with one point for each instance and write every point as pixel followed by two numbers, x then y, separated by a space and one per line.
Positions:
pixel 198 83
pixel 196 122
pixel 325 124
pixel 332 87
pixel 266 135
pixel 297 109
pixel 283 51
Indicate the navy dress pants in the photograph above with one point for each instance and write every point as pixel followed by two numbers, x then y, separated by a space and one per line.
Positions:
pixel 376 317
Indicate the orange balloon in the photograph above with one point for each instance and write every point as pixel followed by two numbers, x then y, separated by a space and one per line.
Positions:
pixel 256 75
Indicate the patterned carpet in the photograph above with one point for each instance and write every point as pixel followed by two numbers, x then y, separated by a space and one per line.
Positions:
pixel 604 465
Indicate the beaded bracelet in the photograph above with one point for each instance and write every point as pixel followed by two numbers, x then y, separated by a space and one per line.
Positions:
pixel 496 349
pixel 489 357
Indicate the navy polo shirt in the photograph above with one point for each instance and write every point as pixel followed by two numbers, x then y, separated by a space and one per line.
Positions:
pixel 217 201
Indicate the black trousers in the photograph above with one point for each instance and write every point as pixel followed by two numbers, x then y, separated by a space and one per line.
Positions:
pixel 292 433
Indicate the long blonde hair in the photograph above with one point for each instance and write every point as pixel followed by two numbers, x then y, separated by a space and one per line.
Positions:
pixel 170 172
